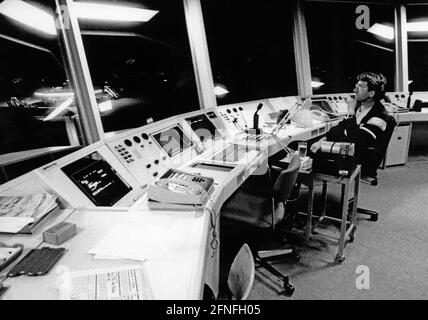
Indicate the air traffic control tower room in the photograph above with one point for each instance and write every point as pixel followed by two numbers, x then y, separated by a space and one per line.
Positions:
pixel 213 150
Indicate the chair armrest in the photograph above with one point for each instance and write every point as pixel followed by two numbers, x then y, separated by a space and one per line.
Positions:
pixel 276 169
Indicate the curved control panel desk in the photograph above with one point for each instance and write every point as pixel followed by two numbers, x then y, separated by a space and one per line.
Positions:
pixel 105 185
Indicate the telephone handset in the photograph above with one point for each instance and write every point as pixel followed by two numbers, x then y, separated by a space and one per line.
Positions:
pixel 179 187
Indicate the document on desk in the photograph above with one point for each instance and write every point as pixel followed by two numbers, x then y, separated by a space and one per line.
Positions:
pixel 119 283
pixel 141 242
pixel 14 225
pixel 17 212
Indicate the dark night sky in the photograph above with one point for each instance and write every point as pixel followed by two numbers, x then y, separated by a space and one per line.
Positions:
pixel 250 45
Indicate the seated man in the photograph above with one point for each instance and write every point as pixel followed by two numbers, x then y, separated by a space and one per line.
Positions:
pixel 366 122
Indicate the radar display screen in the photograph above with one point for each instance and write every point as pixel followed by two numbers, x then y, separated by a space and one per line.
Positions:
pixel 97 180
pixel 173 140
pixel 203 127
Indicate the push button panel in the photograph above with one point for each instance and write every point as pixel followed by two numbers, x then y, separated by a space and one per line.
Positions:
pixel 141 156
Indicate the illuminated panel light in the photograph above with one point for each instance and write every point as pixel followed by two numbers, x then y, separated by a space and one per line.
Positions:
pixel 59 94
pixel 59 109
pixel 382 30
pixel 94 11
pixel 105 106
pixel 28 15
pixel 220 91
pixel 417 26
pixel 317 84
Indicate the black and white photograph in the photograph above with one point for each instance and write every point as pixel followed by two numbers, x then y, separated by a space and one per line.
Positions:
pixel 201 152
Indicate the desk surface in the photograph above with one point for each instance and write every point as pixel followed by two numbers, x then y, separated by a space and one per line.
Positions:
pixel 188 233
pixel 179 278
pixel 414 116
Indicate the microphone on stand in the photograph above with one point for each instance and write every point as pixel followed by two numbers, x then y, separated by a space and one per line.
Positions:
pixel 409 99
pixel 256 128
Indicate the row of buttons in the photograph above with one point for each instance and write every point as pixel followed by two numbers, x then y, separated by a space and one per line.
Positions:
pixel 137 139
pixel 119 148
pixel 197 179
pixel 225 117
pixel 234 110
pixel 398 96
pixel 124 153
pixel 337 98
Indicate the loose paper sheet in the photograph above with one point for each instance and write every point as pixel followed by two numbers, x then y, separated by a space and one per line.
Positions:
pixel 119 283
pixel 141 242
pixel 14 225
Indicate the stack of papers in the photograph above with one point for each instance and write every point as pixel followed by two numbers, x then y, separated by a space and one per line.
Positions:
pixel 17 212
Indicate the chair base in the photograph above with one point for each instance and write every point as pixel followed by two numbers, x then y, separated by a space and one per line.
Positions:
pixel 373 214
pixel 262 259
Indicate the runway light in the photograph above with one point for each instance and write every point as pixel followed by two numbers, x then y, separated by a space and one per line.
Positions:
pixel 220 90
pixel 29 15
pixel 95 11
pixel 317 84
pixel 382 30
pixel 421 26
pixel 59 109
pixel 63 94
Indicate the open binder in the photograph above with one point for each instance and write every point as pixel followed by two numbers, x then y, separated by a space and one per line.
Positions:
pixel 23 213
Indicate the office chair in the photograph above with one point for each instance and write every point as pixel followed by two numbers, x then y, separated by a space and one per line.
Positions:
pixel 241 274
pixel 369 170
pixel 265 212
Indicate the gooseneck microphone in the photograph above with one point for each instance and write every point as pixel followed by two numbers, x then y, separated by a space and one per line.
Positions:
pixel 256 117
pixel 409 99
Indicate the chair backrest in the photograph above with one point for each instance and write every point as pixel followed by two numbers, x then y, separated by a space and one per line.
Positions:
pixel 377 155
pixel 391 123
pixel 241 274
pixel 286 180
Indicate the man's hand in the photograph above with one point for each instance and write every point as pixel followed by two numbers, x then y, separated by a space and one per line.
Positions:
pixel 316 145
pixel 352 104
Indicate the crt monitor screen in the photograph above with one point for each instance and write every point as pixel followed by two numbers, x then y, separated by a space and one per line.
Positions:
pixel 203 127
pixel 97 180
pixel 173 140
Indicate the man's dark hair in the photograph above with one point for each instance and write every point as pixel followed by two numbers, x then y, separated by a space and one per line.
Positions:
pixel 375 82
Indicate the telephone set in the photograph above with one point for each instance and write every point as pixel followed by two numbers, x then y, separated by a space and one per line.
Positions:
pixel 8 254
pixel 179 187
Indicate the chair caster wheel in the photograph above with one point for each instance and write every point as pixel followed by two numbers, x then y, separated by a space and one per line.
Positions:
pixel 339 259
pixel 374 217
pixel 288 288
pixel 352 235
pixel 294 255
